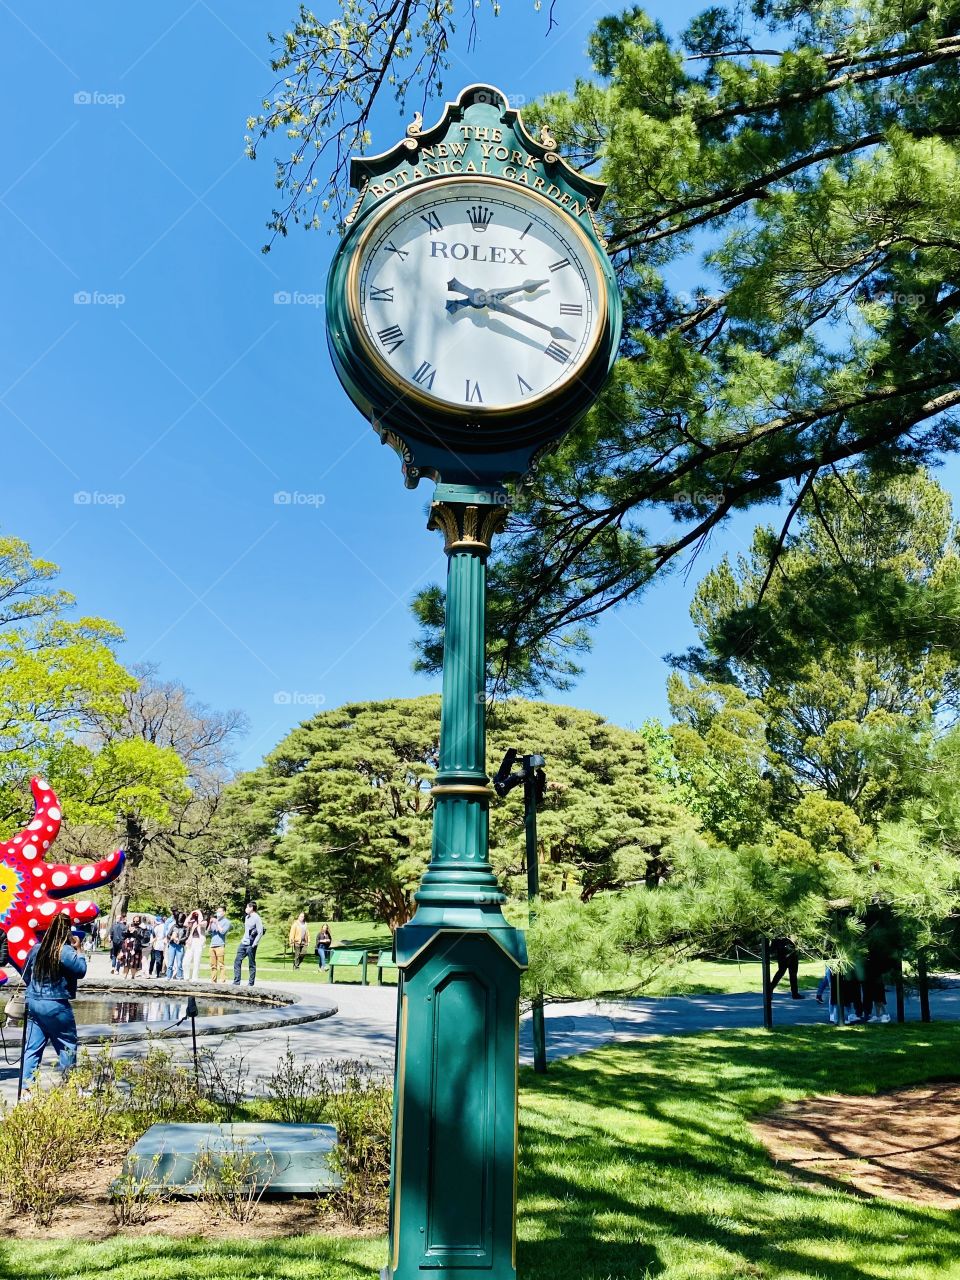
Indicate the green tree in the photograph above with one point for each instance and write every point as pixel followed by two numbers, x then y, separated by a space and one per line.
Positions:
pixel 58 678
pixel 158 769
pixel 827 659
pixel 782 211
pixel 344 803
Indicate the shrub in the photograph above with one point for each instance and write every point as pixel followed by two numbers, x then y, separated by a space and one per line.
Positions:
pixel 223 1081
pixel 298 1091
pixel 128 1095
pixel 134 1195
pixel 233 1180
pixel 38 1137
pixel 360 1104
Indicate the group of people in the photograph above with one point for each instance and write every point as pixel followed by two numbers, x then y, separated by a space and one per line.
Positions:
pixel 172 946
pixel 855 995
pixel 300 942
pixel 142 944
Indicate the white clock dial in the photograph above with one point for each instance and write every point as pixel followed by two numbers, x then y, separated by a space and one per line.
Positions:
pixel 478 295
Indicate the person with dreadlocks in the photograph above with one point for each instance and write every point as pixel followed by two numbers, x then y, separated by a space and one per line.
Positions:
pixel 51 972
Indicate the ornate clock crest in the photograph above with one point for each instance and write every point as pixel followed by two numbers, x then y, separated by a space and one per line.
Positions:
pixel 472 312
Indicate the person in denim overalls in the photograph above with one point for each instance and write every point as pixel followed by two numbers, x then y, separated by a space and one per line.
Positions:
pixel 53 967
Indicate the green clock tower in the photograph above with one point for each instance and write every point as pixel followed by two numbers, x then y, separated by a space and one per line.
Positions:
pixel 473 317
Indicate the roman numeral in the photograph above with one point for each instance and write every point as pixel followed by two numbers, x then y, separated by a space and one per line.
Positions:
pixel 401 253
pixel 386 295
pixel 391 337
pixel 524 385
pixel 472 393
pixel 425 375
pixel 432 219
pixel 571 308
pixel 526 229
pixel 558 266
pixel 556 352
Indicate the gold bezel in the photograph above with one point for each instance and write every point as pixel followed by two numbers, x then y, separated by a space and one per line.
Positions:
pixel 410 390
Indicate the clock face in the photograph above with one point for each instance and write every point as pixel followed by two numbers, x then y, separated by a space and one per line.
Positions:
pixel 477 296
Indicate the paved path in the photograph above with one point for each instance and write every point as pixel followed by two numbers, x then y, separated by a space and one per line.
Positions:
pixel 364 1025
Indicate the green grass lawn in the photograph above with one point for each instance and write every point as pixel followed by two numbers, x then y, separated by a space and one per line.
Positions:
pixel 637 1164
pixel 708 977
pixel 273 964
pixel 696 977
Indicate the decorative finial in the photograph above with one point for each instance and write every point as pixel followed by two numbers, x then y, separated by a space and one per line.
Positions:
pixel 415 128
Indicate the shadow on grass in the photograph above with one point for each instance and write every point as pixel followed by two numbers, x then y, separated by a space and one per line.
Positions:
pixel 637 1161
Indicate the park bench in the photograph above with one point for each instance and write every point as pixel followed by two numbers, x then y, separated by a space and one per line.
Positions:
pixel 348 958
pixel 385 960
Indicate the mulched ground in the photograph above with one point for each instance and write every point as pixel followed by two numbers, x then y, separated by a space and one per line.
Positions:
pixel 88 1215
pixel 904 1145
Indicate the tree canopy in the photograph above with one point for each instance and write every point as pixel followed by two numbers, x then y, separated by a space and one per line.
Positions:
pixel 345 807
pixel 819 683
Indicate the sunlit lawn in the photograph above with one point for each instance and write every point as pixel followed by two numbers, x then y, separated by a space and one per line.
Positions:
pixel 697 977
pixel 636 1162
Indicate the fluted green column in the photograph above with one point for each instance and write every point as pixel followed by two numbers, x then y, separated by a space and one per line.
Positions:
pixel 453 1170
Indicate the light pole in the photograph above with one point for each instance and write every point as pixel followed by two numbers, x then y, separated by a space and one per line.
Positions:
pixel 534 782
pixel 473 317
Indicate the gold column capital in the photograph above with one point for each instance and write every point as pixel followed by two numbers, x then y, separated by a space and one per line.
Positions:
pixel 467 526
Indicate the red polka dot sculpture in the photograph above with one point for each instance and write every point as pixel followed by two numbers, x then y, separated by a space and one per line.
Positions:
pixel 31 889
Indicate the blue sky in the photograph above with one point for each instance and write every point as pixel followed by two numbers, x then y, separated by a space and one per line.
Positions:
pixel 182 398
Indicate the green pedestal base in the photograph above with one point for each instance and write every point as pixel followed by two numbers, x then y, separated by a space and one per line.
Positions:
pixel 453 1205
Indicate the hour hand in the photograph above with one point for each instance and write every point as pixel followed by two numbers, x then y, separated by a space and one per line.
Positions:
pixel 454 286
pixel 528 286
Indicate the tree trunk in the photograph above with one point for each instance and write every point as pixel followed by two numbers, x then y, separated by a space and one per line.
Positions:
pixel 135 848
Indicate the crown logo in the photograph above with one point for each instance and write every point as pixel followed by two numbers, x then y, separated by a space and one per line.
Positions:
pixel 480 217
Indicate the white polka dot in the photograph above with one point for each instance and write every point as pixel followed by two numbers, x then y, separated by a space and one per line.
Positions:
pixel 103 875
pixel 46 844
pixel 38 893
pixel 35 825
pixel 29 850
pixel 15 934
pixel 73 868
pixel 48 908
pixel 84 905
pixel 54 813
pixel 87 873
pixel 38 871
pixel 22 955
pixel 42 784
pixel 59 878
pixel 33 923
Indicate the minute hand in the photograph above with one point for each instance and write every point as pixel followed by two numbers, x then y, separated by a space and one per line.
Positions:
pixel 505 309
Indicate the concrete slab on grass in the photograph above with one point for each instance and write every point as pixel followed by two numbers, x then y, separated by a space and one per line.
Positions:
pixel 290 1158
